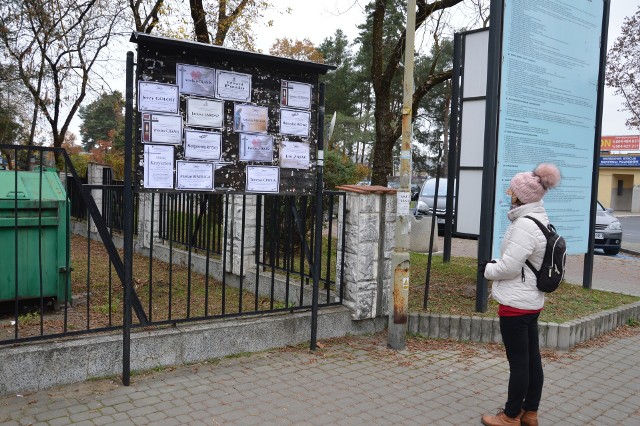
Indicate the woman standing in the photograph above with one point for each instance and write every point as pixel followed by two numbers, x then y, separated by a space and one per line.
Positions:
pixel 514 288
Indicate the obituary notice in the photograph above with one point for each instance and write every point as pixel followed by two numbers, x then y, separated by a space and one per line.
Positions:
pixel 202 145
pixel 158 167
pixel 203 112
pixel 162 128
pixel 195 80
pixel 233 86
pixel 294 155
pixel 250 118
pixel 194 175
pixel 295 122
pixel 263 179
pixel 295 95
pixel 256 147
pixel 158 97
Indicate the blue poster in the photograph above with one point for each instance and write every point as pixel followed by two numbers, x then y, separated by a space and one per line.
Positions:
pixel 547 112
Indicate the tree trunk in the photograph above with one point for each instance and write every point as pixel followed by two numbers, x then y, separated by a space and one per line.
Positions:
pixel 199 21
pixel 386 137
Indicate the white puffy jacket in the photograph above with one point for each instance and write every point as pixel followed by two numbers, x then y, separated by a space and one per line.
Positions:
pixel 523 240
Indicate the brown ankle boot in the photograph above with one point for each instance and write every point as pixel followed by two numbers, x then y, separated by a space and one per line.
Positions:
pixel 501 419
pixel 529 418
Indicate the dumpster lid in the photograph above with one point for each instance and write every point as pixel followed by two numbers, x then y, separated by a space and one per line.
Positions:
pixel 28 186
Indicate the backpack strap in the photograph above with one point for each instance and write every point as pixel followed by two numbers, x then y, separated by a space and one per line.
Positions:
pixel 546 233
pixel 543 228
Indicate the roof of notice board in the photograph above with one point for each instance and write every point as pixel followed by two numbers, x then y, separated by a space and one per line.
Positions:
pixel 146 39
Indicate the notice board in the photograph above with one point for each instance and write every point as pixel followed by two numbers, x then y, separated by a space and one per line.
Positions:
pixel 212 119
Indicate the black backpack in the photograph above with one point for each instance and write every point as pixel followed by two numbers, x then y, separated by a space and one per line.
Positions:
pixel 553 266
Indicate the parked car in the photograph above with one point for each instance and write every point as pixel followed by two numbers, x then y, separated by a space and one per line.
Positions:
pixel 608 232
pixel 427 197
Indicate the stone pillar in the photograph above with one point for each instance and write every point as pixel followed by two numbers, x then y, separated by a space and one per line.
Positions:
pixel 94 177
pixel 236 232
pixel 145 208
pixel 369 243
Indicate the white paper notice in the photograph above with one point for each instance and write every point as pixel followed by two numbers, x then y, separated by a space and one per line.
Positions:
pixel 295 95
pixel 202 145
pixel 205 112
pixel 250 118
pixel 294 122
pixel 195 80
pixel 233 86
pixel 256 147
pixel 158 166
pixel 294 155
pixel 161 128
pixel 158 97
pixel 404 201
pixel 263 179
pixel 192 175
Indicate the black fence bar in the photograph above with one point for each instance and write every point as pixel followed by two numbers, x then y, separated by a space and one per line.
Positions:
pixel 174 275
pixel 40 232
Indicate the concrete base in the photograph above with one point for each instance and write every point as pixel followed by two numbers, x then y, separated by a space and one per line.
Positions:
pixel 421 234
pixel 36 366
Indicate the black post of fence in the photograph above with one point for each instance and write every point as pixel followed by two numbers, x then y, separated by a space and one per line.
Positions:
pixel 318 234
pixel 128 225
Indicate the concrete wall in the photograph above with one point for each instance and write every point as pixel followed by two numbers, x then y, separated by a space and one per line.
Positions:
pixel 41 365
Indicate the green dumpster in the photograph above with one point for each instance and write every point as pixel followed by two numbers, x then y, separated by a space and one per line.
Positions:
pixel 39 216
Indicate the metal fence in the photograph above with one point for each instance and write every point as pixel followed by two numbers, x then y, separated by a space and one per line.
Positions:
pixel 212 255
pixel 192 219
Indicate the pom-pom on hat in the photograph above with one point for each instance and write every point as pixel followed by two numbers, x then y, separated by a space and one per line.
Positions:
pixel 530 187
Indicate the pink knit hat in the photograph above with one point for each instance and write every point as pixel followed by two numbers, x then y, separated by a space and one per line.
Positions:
pixel 530 187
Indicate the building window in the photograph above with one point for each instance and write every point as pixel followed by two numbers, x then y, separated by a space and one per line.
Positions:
pixel 620 186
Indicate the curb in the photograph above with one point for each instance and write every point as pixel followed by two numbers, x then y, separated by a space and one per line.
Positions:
pixel 552 335
pixel 629 251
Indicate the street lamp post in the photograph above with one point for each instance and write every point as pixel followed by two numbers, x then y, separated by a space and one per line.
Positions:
pixel 399 302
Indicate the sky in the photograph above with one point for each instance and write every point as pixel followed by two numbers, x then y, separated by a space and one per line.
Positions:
pixel 612 118
pixel 319 19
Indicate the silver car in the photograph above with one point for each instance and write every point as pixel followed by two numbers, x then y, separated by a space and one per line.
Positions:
pixel 608 232
pixel 428 196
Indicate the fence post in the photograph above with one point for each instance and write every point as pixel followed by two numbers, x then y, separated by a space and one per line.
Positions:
pixel 94 177
pixel 145 225
pixel 128 225
pixel 369 242
pixel 240 237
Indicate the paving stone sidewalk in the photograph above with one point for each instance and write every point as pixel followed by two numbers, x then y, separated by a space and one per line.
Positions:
pixel 352 381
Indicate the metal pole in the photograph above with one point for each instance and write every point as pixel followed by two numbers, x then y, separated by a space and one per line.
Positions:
pixel 128 225
pixel 489 155
pixel 399 303
pixel 587 272
pixel 317 248
pixel 434 229
pixel 453 147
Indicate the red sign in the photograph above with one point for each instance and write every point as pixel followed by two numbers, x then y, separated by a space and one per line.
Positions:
pixel 620 143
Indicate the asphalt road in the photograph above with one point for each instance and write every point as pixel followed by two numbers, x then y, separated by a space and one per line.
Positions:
pixel 630 229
